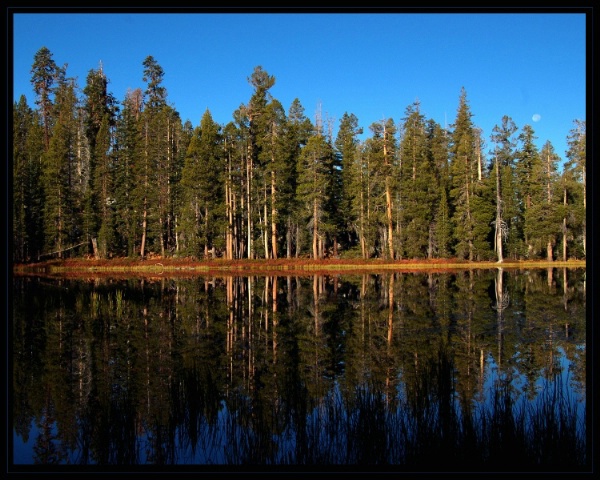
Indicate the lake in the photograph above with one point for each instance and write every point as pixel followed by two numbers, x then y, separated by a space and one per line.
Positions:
pixel 435 371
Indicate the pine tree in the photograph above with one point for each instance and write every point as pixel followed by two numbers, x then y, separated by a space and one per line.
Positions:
pixel 258 158
pixel 417 185
pixel 576 168
pixel 441 227
pixel 44 73
pixel 99 111
pixel 103 186
pixel 312 187
pixel 234 192
pixel 152 172
pixel 346 144
pixel 527 157
pixel 509 214
pixel 276 166
pixel 469 205
pixel 203 218
pixel 127 155
pixel 372 203
pixel 60 203
pixel 542 218
pixel 28 148
pixel 299 129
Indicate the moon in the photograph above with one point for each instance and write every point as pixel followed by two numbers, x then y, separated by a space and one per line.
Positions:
pixel 536 117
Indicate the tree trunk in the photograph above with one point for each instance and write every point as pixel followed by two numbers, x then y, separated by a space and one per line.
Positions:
pixel 144 227
pixel 95 248
pixel 564 226
pixel 498 237
pixel 388 198
pixel 315 231
pixel 273 217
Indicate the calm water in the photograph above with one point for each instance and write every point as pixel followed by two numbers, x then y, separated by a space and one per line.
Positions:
pixel 474 369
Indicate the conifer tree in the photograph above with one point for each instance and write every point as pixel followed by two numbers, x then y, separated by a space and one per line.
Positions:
pixel 542 218
pixel 346 144
pixel 273 152
pixel 372 175
pixel 470 215
pixel 258 135
pixel 152 168
pixel 312 187
pixel 417 184
pixel 441 227
pixel 128 154
pixel 509 215
pixel 576 168
pixel 527 157
pixel 103 185
pixel 99 112
pixel 233 151
pixel 61 226
pixel 203 217
pixel 299 129
pixel 44 74
pixel 28 148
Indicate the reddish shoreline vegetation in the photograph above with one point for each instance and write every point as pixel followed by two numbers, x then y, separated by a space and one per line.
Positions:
pixel 171 267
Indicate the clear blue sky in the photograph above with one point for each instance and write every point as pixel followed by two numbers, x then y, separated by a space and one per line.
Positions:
pixel 531 67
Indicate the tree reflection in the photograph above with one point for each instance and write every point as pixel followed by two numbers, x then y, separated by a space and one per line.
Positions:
pixel 357 369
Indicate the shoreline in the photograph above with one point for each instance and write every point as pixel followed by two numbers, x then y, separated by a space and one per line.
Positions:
pixel 296 266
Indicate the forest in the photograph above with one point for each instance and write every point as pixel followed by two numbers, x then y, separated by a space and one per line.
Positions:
pixel 98 177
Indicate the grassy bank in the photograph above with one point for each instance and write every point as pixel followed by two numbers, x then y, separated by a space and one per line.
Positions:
pixel 187 266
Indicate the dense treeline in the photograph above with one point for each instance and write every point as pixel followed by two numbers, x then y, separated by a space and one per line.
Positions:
pixel 93 175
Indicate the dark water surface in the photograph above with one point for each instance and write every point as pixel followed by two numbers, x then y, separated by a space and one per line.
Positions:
pixel 474 370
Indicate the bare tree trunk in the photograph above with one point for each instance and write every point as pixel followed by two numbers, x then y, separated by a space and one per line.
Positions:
pixel 388 198
pixel 144 227
pixel 273 216
pixel 564 226
pixel 248 209
pixel 498 236
pixel 584 210
pixel 315 231
pixel 266 224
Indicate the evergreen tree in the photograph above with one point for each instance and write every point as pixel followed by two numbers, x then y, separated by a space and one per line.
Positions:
pixel 542 218
pixel 466 188
pixel 153 169
pixel 61 225
pixel 28 148
pixel 577 173
pixel 372 204
pixel 312 187
pixel 417 185
pixel 509 215
pixel 528 157
pixel 44 73
pixel 103 186
pixel 233 150
pixel 99 112
pixel 437 150
pixel 203 217
pixel 274 158
pixel 299 129
pixel 346 144
pixel 258 157
pixel 127 154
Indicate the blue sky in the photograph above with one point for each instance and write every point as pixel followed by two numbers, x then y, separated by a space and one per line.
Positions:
pixel 373 65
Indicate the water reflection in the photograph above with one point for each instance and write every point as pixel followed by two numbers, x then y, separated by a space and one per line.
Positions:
pixel 478 369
